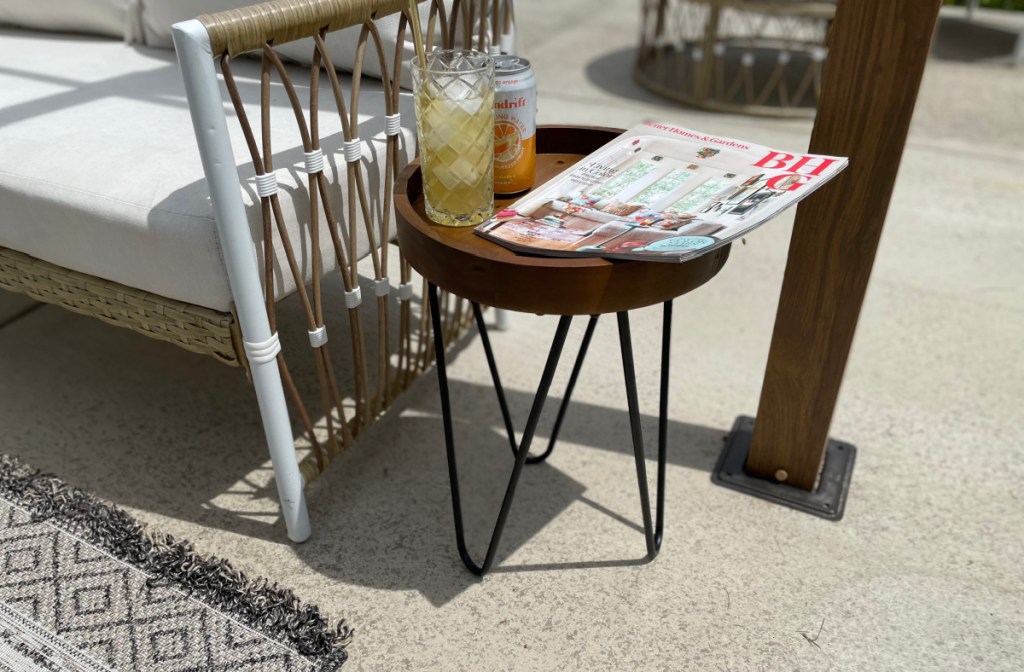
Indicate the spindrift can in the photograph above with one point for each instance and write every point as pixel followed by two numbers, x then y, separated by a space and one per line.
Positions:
pixel 515 125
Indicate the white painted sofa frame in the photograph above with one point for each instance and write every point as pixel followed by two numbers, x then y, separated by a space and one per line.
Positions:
pixel 195 54
pixel 196 57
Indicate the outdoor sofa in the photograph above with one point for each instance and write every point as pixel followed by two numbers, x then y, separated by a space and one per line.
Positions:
pixel 108 208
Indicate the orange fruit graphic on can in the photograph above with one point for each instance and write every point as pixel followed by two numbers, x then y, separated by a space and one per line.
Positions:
pixel 515 125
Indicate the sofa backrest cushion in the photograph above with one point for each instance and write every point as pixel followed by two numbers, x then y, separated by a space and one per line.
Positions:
pixel 159 15
pixel 95 17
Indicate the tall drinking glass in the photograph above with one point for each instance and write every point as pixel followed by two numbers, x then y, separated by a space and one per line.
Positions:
pixel 455 121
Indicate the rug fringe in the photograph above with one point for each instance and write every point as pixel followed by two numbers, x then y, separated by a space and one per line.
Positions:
pixel 264 606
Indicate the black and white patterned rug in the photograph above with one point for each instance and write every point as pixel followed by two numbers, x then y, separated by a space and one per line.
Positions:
pixel 84 587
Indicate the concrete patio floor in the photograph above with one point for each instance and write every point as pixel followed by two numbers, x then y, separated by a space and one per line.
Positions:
pixel 923 573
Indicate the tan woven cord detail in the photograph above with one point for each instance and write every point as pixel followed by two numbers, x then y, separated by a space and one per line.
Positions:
pixel 236 31
pixel 193 328
pixel 347 409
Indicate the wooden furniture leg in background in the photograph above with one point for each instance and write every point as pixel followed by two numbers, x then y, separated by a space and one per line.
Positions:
pixel 877 54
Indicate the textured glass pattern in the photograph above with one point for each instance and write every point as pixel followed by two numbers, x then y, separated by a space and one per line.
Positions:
pixel 455 121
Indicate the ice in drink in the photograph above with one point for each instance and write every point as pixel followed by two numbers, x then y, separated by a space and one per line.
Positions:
pixel 457 157
pixel 455 120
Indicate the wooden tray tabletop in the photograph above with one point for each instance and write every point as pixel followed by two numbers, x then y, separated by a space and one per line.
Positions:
pixel 458 260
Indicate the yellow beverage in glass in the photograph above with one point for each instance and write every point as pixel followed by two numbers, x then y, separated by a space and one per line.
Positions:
pixel 455 121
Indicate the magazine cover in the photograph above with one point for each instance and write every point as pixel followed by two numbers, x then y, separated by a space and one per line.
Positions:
pixel 659 193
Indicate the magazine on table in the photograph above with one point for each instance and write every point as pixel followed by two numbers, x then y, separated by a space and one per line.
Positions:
pixel 661 193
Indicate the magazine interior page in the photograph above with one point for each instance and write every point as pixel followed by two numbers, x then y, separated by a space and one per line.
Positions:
pixel 660 191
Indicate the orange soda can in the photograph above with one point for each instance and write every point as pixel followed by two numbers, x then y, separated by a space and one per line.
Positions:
pixel 515 125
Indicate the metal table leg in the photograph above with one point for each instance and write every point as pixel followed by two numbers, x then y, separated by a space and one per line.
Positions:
pixel 500 391
pixel 652 532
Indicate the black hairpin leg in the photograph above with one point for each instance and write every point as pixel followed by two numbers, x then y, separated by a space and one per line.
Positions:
pixel 533 459
pixel 666 346
pixel 521 452
pixel 505 415
pixel 500 391
pixel 652 532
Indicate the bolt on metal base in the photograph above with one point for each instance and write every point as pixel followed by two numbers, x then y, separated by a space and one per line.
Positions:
pixel 828 500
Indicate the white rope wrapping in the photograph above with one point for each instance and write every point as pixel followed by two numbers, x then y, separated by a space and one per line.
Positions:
pixel 381 287
pixel 783 57
pixel 719 49
pixel 747 59
pixel 393 123
pixel 318 337
pixel 405 291
pixel 353 298
pixel 818 54
pixel 262 353
pixel 697 54
pixel 314 161
pixel 353 150
pixel 266 185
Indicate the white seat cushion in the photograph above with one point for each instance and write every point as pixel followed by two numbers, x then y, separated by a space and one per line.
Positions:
pixel 99 170
pixel 98 17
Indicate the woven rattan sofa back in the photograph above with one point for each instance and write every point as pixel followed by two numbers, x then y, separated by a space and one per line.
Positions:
pixel 384 356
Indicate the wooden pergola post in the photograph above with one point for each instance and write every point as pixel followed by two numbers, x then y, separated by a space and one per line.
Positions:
pixel 877 54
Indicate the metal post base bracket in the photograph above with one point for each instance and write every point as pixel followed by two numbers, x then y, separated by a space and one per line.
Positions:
pixel 827 501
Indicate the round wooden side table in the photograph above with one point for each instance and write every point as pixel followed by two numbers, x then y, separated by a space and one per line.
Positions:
pixel 463 263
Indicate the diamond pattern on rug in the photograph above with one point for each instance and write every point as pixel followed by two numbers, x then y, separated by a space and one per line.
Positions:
pixel 79 596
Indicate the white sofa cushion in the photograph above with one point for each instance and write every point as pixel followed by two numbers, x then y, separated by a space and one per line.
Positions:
pixel 99 170
pixel 159 15
pixel 98 17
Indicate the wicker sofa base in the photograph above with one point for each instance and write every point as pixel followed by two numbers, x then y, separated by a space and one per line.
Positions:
pixel 194 328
